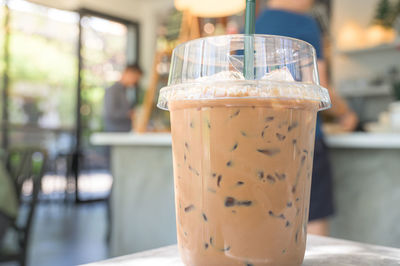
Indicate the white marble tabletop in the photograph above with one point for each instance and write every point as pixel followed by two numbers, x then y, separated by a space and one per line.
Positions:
pixel 363 140
pixel 357 140
pixel 320 251
pixel 131 139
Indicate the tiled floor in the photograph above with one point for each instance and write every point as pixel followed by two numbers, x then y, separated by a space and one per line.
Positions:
pixel 68 234
pixel 65 234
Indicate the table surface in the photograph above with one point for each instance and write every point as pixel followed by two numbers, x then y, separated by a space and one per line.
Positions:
pixel 320 251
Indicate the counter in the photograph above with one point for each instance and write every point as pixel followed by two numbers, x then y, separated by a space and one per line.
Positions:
pixel 130 139
pixel 366 171
pixel 364 141
pixel 142 197
pixel 349 140
pixel 366 179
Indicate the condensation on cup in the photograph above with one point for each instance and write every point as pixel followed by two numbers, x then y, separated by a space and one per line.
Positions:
pixel 243 149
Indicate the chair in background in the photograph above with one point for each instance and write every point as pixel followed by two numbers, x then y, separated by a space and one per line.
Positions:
pixel 25 166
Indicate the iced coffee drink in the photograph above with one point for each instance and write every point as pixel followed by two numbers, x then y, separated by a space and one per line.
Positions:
pixel 242 155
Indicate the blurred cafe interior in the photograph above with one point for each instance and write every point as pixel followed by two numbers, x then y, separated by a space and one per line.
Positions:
pixel 80 185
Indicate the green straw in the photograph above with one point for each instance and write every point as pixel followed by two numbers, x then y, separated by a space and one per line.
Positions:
pixel 249 30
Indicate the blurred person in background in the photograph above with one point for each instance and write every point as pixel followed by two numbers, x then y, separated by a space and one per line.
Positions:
pixel 119 102
pixel 289 18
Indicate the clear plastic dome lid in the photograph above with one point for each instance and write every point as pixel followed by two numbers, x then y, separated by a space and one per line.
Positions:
pixel 212 68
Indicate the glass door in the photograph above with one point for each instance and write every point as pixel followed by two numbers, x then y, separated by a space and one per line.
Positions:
pixel 107 45
pixel 51 94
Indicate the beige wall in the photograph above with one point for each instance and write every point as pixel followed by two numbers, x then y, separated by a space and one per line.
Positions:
pixel 359 10
pixel 360 65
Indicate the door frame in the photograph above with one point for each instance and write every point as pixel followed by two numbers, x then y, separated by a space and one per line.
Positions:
pixel 77 155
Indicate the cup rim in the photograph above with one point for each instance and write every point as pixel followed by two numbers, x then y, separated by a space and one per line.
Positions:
pixel 266 89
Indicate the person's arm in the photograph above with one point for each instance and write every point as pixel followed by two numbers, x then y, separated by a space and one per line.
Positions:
pixel 339 110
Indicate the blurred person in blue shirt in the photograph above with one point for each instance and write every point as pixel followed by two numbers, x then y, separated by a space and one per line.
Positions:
pixel 289 18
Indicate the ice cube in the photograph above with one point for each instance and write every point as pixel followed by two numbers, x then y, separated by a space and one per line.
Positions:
pixel 282 74
pixel 223 75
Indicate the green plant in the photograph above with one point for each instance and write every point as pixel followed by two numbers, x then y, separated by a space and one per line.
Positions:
pixel 386 13
pixel 396 11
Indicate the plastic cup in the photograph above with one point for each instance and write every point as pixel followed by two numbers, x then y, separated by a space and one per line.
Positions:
pixel 243 149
